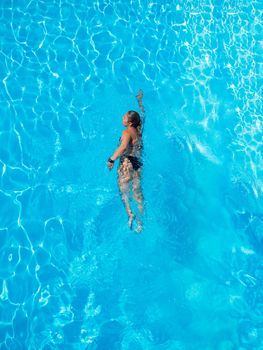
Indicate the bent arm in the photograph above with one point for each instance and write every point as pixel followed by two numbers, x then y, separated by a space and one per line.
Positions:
pixel 125 140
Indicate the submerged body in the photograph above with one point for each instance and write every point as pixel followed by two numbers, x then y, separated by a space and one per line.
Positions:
pixel 130 166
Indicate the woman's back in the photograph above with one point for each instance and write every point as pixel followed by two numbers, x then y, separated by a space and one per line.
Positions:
pixel 134 147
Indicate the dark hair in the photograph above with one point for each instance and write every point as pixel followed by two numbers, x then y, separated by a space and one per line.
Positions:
pixel 134 118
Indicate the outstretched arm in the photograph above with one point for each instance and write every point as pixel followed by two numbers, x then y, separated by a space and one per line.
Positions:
pixel 139 99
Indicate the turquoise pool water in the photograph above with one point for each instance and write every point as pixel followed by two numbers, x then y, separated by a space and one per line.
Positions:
pixel 72 276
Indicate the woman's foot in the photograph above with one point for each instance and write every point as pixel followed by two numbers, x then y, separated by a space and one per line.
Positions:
pixel 130 220
pixel 139 226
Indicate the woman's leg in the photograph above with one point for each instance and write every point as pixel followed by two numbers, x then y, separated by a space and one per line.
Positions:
pixel 138 196
pixel 124 178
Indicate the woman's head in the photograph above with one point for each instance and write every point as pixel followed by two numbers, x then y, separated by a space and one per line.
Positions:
pixel 132 118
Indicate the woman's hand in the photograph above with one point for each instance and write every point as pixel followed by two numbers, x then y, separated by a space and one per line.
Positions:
pixel 139 95
pixel 110 165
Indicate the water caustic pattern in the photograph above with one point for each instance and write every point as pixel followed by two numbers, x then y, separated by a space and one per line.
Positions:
pixel 72 276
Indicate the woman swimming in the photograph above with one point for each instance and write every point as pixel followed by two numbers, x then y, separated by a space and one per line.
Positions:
pixel 130 165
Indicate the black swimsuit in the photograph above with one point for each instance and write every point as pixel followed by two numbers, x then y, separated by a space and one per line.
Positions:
pixel 136 163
